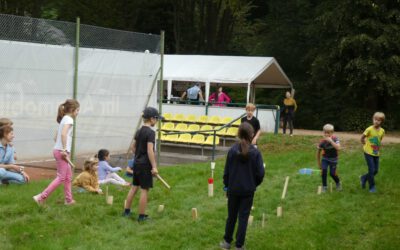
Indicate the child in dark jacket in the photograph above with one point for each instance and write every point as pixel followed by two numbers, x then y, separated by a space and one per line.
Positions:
pixel 243 172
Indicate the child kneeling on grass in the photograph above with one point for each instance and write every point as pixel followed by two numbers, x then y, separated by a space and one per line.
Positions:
pixel 329 146
pixel 88 179
pixel 372 139
pixel 145 163
pixel 106 172
pixel 244 171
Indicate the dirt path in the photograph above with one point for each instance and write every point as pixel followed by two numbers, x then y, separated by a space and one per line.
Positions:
pixel 348 135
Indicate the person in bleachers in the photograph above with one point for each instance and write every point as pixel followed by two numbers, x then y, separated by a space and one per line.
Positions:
pixel 194 94
pixel 219 98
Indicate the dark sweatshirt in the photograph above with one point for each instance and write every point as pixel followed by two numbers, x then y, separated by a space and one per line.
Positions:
pixel 242 174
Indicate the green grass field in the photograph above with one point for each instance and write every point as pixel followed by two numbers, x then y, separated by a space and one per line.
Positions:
pixel 351 219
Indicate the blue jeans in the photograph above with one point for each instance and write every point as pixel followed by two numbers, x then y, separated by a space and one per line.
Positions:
pixel 373 167
pixel 325 163
pixel 11 177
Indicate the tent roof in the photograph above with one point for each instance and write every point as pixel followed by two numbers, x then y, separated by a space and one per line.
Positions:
pixel 232 70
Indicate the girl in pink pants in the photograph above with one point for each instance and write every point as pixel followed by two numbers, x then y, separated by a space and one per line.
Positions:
pixel 66 114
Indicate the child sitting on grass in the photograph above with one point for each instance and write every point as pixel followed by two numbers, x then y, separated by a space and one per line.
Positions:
pixel 88 179
pixel 106 172
pixel 372 139
pixel 329 146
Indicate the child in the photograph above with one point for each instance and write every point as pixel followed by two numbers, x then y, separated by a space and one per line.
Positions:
pixel 374 135
pixel 253 121
pixel 9 172
pixel 106 172
pixel 243 172
pixel 88 178
pixel 145 163
pixel 65 117
pixel 329 146
pixel 6 121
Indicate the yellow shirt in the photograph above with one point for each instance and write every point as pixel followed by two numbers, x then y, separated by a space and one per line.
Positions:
pixel 88 181
pixel 373 140
pixel 290 102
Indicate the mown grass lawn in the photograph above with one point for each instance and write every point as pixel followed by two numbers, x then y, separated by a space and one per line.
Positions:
pixel 351 219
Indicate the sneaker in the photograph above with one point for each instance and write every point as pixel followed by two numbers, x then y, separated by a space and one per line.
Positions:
pixel 37 199
pixel 70 203
pixel 339 187
pixel 127 215
pixel 372 190
pixel 143 218
pixel 324 189
pixel 224 245
pixel 362 182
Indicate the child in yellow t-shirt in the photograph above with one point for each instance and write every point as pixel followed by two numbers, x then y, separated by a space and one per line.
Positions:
pixel 88 179
pixel 372 139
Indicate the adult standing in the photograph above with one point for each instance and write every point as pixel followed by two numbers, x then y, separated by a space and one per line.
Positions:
pixel 219 98
pixel 288 111
pixel 193 94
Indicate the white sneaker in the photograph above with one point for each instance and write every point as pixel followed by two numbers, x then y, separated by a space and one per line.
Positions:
pixel 37 199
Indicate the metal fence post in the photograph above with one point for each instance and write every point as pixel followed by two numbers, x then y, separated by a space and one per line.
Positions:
pixel 160 101
pixel 277 119
pixel 75 88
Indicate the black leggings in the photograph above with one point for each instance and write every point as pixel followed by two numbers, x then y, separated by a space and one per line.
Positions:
pixel 288 118
pixel 238 208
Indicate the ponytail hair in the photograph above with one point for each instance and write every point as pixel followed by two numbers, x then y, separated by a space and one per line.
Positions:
pixel 102 154
pixel 69 106
pixel 245 134
pixel 4 130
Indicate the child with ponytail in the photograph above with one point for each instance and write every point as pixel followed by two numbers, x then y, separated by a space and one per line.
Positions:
pixel 244 171
pixel 62 149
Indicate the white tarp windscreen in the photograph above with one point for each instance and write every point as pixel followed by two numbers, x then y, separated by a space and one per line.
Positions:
pixel 112 89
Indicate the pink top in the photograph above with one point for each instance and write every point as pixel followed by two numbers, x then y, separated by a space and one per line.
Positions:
pixel 222 97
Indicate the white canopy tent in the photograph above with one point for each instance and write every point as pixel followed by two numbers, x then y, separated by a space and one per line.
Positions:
pixel 250 72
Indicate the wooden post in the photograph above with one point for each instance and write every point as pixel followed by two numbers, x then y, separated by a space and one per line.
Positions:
pixel 285 187
pixel 194 213
pixel 110 200
pixel 263 220
pixel 250 221
pixel 124 204
pixel 279 211
pixel 319 190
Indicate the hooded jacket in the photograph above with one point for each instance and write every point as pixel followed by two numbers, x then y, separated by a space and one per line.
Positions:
pixel 243 174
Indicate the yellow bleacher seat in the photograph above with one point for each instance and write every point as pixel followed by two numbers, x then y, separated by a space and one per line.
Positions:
pixel 191 119
pixel 214 119
pixel 232 131
pixel 178 118
pixel 168 126
pixel 210 140
pixel 193 127
pixel 198 139
pixel 171 138
pixel 225 120
pixel 185 138
pixel 163 136
pixel 220 132
pixel 206 127
pixel 202 119
pixel 167 116
pixel 180 127
pixel 237 123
